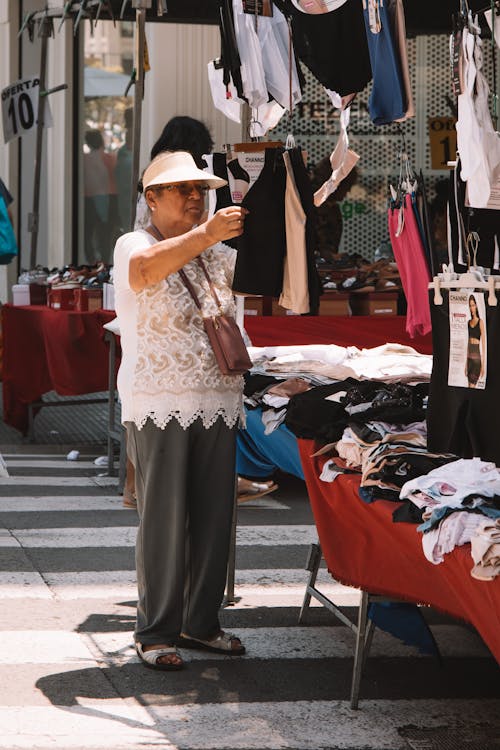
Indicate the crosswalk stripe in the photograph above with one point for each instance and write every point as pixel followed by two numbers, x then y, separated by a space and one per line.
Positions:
pixel 56 481
pixel 123 536
pixel 295 642
pixel 38 504
pixel 24 463
pixel 273 591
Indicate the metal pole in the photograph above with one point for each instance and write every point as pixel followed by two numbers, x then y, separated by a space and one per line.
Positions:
pixel 140 30
pixel 33 217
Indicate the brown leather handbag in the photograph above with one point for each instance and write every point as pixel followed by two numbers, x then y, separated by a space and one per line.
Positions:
pixel 222 330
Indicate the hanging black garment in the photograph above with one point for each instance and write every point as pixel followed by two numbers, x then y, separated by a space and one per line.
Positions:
pixel 423 208
pixel 230 56
pixel 223 194
pixel 262 246
pixel 332 45
pixel 463 421
pixel 484 221
pixel 305 189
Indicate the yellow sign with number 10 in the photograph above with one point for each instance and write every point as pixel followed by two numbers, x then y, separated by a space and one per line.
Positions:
pixel 443 141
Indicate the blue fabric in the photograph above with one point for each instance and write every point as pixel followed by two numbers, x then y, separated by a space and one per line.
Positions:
pixel 259 455
pixel 406 622
pixel 8 244
pixel 443 511
pixel 387 98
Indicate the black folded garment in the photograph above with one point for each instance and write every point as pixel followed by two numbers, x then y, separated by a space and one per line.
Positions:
pixel 311 417
pixel 395 403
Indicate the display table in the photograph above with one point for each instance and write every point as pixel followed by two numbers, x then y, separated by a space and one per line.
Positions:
pixel 364 548
pixel 46 349
pixel 361 331
pixel 51 350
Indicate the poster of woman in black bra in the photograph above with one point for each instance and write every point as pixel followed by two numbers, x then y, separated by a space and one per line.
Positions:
pixel 468 340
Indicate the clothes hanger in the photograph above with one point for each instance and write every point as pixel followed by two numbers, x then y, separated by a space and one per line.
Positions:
pixel 473 278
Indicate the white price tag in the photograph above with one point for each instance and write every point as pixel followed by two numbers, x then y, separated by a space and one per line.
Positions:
pixel 20 108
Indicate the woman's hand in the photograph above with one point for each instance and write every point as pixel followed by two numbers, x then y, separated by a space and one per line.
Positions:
pixel 226 224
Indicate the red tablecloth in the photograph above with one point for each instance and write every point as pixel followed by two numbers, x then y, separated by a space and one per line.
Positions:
pixel 364 548
pixel 361 331
pixel 45 350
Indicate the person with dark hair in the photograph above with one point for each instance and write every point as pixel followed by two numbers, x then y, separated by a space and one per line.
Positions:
pixel 476 345
pixel 99 186
pixel 123 173
pixel 183 133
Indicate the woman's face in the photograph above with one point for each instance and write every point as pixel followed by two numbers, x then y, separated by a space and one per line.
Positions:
pixel 180 204
pixel 472 307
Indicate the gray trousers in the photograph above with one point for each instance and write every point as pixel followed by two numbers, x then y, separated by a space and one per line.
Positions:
pixel 185 483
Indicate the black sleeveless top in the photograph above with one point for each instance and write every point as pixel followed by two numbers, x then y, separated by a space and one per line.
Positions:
pixel 475 331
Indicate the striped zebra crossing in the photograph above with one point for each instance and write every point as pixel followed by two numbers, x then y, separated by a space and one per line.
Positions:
pixel 70 677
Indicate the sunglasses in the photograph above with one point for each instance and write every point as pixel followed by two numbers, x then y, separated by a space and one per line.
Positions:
pixel 185 188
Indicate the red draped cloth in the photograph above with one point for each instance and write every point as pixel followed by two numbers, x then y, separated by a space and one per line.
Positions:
pixel 364 548
pixel 45 350
pixel 364 331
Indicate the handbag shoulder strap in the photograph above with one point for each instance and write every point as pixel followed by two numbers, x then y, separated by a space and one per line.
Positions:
pixel 158 235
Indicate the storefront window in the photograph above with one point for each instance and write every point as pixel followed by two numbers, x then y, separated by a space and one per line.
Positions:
pixel 105 139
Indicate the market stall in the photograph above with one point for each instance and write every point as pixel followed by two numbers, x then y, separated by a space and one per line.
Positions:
pixel 62 351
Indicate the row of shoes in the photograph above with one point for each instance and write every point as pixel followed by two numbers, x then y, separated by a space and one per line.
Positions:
pixel 485 551
pixel 73 277
pixel 379 276
pixel 69 277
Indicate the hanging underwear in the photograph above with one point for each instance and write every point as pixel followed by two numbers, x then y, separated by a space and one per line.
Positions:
pixel 412 265
pixel 397 16
pixel 332 45
pixel 224 96
pixel 230 58
pixel 387 98
pixel 343 160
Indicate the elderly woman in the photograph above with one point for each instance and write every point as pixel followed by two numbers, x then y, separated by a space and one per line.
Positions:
pixel 181 413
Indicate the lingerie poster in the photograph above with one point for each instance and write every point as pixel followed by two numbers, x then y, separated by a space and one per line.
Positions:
pixel 468 340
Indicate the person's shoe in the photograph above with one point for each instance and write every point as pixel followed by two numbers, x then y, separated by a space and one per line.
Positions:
pixel 223 643
pixel 150 658
pixel 252 490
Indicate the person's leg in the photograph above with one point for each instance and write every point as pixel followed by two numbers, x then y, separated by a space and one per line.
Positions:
pixel 259 455
pixel 129 489
pixel 161 459
pixel 211 505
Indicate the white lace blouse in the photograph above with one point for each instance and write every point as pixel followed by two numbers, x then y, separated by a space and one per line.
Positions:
pixel 168 369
